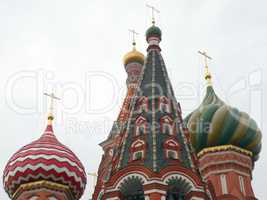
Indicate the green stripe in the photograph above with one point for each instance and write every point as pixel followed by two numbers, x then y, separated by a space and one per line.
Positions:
pixel 250 134
pixel 203 126
pixel 231 122
pixel 256 150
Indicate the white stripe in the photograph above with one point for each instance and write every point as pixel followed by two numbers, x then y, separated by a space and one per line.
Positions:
pixel 46 168
pixel 47 157
pixel 216 163
pixel 155 191
pixel 46 149
pixel 30 176
pixel 225 171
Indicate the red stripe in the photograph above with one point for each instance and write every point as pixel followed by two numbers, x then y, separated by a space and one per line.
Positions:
pixel 47 163
pixel 72 157
pixel 39 171
pixel 47 140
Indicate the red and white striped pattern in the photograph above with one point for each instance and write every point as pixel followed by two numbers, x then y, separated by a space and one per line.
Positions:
pixel 45 159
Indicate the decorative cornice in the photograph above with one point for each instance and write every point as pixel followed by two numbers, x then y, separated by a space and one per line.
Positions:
pixel 224 148
pixel 226 171
pixel 43 184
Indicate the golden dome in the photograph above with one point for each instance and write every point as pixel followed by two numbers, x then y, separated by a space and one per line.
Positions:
pixel 134 56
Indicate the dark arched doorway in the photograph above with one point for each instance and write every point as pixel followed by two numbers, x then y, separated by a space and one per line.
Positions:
pixel 132 189
pixel 177 189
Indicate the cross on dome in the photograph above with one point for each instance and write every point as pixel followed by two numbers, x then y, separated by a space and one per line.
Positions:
pixel 153 10
pixel 207 73
pixel 134 33
pixel 52 97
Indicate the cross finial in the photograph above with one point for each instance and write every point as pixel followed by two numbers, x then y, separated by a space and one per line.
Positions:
pixel 133 37
pixel 153 10
pixel 50 115
pixel 206 57
pixel 207 73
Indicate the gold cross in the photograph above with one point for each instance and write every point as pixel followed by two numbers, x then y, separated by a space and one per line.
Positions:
pixel 134 34
pixel 153 10
pixel 207 73
pixel 52 96
pixel 206 57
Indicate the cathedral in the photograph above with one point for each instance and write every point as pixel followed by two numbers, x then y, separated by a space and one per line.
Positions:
pixel 152 152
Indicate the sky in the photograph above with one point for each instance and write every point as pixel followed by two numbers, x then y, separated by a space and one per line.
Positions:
pixel 75 49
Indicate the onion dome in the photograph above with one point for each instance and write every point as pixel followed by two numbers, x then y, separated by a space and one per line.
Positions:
pixel 153 31
pixel 153 37
pixel 215 123
pixel 133 56
pixel 45 163
pixel 133 63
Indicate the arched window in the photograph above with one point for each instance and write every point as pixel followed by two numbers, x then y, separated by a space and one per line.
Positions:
pixel 138 155
pixel 137 150
pixel 142 104
pixel 177 189
pixel 242 184
pixel 164 104
pixel 171 148
pixel 140 126
pixel 171 154
pixel 224 184
pixel 110 152
pixel 132 189
pixel 167 125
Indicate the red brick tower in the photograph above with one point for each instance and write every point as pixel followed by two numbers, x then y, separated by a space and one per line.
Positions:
pixel 228 143
pixel 133 62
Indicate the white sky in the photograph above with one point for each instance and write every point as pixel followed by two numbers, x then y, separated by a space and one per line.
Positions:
pixel 61 42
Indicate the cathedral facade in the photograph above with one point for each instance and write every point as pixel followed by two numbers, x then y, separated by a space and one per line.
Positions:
pixel 152 152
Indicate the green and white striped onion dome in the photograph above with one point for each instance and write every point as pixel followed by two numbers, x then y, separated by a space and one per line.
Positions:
pixel 214 123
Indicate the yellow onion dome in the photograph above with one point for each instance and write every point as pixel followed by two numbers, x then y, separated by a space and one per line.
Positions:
pixel 214 123
pixel 133 56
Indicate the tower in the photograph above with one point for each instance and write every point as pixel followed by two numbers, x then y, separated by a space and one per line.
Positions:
pixel 133 63
pixel 153 158
pixel 227 142
pixel 45 170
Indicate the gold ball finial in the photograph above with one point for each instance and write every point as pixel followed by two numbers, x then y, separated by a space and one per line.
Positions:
pixel 207 73
pixel 208 76
pixel 50 114
pixel 50 118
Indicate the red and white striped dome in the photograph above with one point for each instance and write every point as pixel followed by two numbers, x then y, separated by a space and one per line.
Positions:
pixel 45 159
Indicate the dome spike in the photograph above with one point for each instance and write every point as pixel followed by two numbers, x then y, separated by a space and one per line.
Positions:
pixel 207 72
pixel 153 10
pixel 51 109
pixel 134 33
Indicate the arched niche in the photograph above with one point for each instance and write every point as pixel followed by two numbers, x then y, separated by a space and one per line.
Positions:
pixel 132 188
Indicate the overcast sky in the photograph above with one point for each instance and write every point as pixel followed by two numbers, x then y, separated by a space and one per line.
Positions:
pixel 76 47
